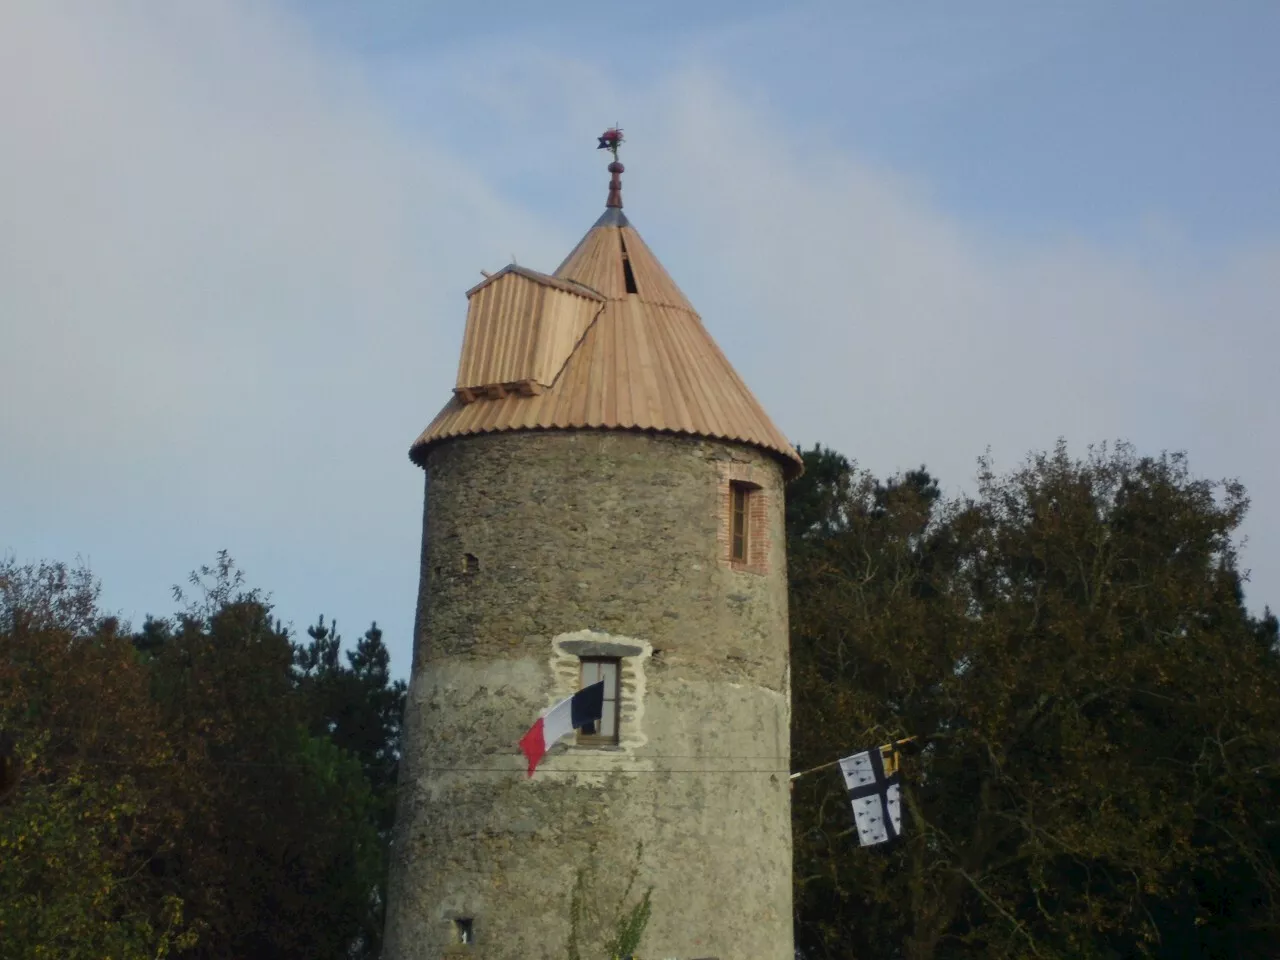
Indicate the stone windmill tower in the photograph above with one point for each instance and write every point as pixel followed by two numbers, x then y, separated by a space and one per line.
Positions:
pixel 604 499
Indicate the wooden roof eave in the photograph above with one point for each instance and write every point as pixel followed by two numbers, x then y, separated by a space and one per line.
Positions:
pixel 790 461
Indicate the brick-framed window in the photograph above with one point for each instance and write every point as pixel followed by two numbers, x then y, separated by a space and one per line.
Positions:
pixel 608 669
pixel 740 494
pixel 744 518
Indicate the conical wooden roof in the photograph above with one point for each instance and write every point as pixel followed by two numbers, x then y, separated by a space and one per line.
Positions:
pixel 608 341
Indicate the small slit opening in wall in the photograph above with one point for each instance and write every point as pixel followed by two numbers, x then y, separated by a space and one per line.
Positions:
pixel 628 277
pixel 470 563
pixel 465 929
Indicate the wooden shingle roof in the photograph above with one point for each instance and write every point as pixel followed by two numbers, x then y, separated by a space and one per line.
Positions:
pixel 607 341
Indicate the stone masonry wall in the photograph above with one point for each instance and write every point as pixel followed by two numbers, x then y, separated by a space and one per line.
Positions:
pixel 540 547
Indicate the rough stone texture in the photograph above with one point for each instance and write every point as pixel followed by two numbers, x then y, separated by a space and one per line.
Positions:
pixel 579 539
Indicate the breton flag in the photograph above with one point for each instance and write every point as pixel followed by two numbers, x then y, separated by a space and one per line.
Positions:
pixel 874 784
pixel 583 708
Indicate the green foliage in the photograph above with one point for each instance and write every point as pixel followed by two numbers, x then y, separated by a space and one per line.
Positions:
pixel 1100 715
pixel 630 929
pixel 816 498
pixel 601 923
pixel 357 707
pixel 279 849
pixel 174 798
pixel 64 892
pixel 75 827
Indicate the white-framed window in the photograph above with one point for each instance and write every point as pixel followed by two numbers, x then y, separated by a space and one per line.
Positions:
pixel 595 669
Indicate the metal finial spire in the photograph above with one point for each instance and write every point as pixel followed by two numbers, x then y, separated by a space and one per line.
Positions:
pixel 610 140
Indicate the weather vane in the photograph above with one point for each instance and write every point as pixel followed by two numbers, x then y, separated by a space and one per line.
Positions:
pixel 610 140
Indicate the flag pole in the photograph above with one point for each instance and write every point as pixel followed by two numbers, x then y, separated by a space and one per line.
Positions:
pixel 833 763
pixel 822 766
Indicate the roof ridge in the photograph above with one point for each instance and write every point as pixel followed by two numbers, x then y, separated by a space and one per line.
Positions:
pixel 577 345
pixel 563 283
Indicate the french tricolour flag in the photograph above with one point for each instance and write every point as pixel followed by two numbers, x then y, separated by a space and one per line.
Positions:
pixel 584 707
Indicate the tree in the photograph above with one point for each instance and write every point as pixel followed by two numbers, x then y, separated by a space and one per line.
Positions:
pixel 277 850
pixel 78 823
pixel 816 499
pixel 163 792
pixel 359 708
pixel 358 704
pixel 1099 713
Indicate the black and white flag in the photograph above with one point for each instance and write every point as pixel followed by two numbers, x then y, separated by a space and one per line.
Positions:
pixel 875 790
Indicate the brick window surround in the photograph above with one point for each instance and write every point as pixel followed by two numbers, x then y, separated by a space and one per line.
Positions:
pixel 740 477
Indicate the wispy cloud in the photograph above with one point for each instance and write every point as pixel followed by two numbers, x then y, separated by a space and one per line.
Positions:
pixel 232 263
pixel 224 270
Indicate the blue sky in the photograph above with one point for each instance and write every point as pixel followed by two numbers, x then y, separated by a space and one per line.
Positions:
pixel 237 237
pixel 1036 118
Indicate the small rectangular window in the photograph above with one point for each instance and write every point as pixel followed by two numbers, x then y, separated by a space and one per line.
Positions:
pixel 740 498
pixel 595 669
